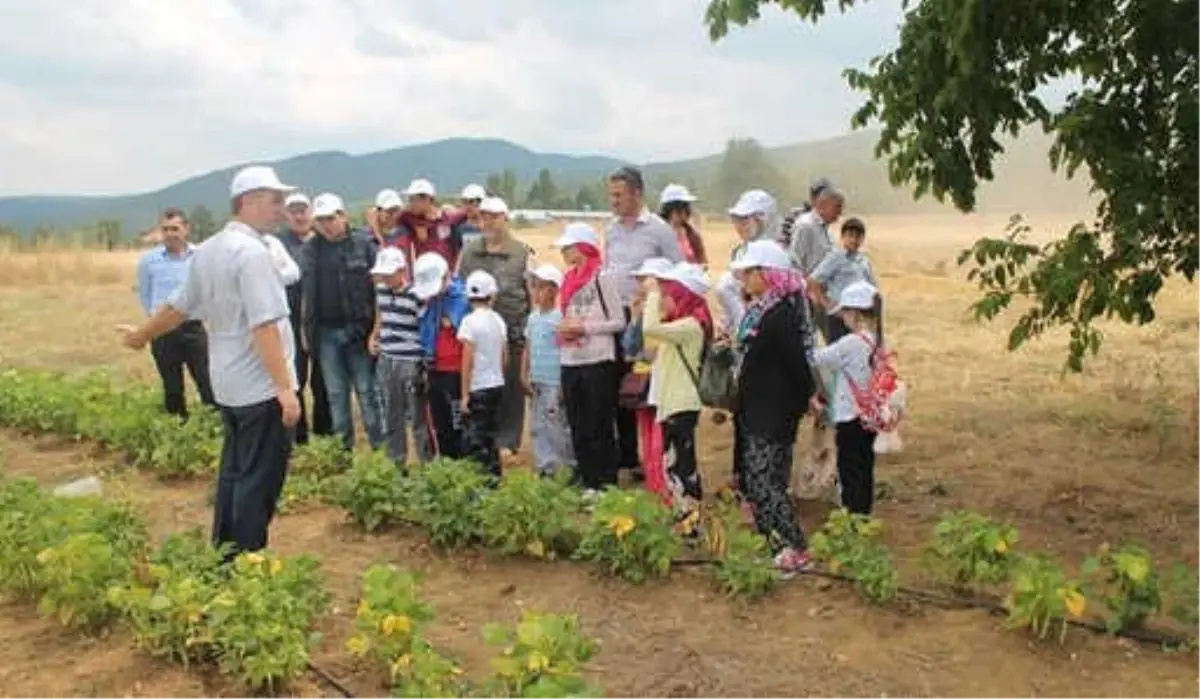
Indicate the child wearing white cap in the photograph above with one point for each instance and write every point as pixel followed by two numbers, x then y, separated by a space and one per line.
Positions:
pixel 541 375
pixel 851 359
pixel 484 362
pixel 676 315
pixel 400 366
pixel 640 379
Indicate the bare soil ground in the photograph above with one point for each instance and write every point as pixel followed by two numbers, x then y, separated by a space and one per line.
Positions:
pixel 1107 456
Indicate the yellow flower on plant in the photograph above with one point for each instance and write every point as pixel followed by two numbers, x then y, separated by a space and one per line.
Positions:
pixel 45 555
pixel 401 664
pixel 254 559
pixel 393 623
pixel 537 662
pixel 1076 603
pixel 363 608
pixel 193 618
pixel 621 525
pixel 1001 547
pixel 357 645
pixel 276 566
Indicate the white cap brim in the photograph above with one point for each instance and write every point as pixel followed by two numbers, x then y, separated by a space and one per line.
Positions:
pixel 386 269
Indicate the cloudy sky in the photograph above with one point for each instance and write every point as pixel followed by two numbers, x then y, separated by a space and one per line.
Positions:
pixel 98 96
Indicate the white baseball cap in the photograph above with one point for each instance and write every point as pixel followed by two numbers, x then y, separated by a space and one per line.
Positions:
pixel 653 267
pixel 473 191
pixel 676 192
pixel 327 204
pixel 691 276
pixel 429 274
pixel 296 198
pixel 420 186
pixel 491 205
pixel 548 273
pixel 860 295
pixel 576 233
pixel 256 177
pixel 388 199
pixel 389 261
pixel 481 285
pixel 754 202
pixel 763 253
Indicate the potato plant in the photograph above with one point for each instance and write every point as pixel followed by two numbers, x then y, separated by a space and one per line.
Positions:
pixel 446 498
pixel 531 515
pixel 424 672
pixel 1131 586
pixel 743 558
pixel 543 656
pixel 1042 597
pixel 371 491
pixel 261 622
pixel 165 606
pixel 314 471
pixel 631 534
pixel 76 576
pixel 390 615
pixel 969 550
pixel 847 544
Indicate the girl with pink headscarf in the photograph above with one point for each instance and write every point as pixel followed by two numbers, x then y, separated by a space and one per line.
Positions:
pixel 676 315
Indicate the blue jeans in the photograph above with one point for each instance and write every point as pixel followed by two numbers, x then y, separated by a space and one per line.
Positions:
pixel 345 363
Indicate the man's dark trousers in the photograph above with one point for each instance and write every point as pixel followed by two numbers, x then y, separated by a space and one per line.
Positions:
pixel 187 346
pixel 628 456
pixel 308 373
pixel 254 460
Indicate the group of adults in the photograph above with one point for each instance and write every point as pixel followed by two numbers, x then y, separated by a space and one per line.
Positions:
pixel 262 311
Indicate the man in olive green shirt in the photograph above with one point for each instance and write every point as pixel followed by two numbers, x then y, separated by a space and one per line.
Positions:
pixel 504 257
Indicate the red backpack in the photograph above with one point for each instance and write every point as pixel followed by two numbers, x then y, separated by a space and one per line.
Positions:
pixel 880 402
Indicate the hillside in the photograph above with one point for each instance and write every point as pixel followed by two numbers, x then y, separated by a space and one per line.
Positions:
pixel 1024 181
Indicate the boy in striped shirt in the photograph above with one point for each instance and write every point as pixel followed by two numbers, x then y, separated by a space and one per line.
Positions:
pixel 396 341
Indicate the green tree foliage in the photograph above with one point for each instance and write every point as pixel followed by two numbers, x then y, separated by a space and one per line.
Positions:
pixel 592 196
pixel 543 193
pixel 967 71
pixel 745 165
pixel 504 185
pixel 108 233
pixel 203 225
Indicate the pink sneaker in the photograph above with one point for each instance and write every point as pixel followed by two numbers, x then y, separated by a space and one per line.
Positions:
pixel 791 561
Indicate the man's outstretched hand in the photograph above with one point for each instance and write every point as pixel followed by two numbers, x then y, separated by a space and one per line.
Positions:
pixel 130 336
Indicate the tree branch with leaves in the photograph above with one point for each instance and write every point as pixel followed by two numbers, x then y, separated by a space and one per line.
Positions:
pixel 968 71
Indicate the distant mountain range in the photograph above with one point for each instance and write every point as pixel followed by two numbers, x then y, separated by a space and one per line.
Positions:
pixel 1024 181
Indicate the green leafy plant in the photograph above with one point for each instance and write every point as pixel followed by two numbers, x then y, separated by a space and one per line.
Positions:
pixel 313 472
pixel 531 515
pixel 1130 584
pixel 28 525
pixel 181 448
pixel 446 497
pixel 969 550
pixel 543 656
pixel 165 605
pixel 424 672
pixel 1182 588
pixel 631 534
pixel 743 557
pixel 1043 596
pixel 371 492
pixel 76 576
pixel 261 621
pixel 390 614
pixel 848 543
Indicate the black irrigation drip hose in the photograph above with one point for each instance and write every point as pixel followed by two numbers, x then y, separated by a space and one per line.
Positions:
pixel 1142 634
pixel 330 680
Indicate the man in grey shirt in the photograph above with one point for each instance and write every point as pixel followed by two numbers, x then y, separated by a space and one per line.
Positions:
pixel 811 242
pixel 634 235
pixel 235 289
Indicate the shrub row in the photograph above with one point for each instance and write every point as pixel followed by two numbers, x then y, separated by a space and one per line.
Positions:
pixel 629 533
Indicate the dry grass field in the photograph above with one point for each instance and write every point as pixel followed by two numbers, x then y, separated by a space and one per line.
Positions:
pixel 1074 461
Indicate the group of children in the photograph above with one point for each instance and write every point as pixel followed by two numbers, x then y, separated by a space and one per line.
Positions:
pixel 443 355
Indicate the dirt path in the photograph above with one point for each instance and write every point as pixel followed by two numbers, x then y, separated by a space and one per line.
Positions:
pixel 674 638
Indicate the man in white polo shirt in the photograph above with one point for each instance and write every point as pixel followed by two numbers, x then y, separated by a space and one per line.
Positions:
pixel 235 290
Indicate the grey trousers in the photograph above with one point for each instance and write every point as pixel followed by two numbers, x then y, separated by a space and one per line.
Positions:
pixel 512 403
pixel 402 385
pixel 551 434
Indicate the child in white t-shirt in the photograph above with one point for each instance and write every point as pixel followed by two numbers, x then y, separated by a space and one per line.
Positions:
pixel 484 364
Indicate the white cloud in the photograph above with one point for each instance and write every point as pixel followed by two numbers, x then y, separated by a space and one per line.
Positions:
pixel 97 96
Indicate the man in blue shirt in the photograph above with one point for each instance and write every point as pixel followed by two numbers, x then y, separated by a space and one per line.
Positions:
pixel 160 273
